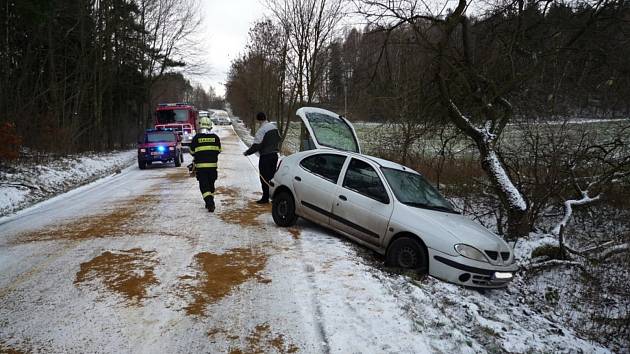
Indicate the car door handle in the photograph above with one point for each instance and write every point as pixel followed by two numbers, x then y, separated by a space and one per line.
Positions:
pixel 297 178
pixel 343 197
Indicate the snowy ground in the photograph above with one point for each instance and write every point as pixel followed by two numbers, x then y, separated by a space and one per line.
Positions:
pixel 24 183
pixel 134 263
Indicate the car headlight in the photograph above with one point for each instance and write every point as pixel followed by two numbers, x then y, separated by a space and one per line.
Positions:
pixel 143 150
pixel 471 252
pixel 171 148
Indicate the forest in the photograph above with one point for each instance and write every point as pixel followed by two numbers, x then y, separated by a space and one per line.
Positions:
pixel 85 75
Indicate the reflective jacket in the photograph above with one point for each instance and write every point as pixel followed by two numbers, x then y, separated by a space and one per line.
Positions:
pixel 205 148
pixel 266 141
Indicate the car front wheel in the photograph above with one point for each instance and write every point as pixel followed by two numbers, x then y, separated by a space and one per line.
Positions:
pixel 178 160
pixel 407 253
pixel 142 164
pixel 283 209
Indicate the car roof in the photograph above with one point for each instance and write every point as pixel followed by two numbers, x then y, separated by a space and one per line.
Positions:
pixel 379 161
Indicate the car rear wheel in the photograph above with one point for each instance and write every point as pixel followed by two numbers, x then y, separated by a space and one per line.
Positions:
pixel 283 209
pixel 406 252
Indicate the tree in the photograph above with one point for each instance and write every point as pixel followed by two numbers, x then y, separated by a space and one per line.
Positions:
pixel 77 75
pixel 478 71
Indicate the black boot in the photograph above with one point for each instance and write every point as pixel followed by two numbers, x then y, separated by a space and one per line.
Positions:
pixel 210 205
pixel 262 201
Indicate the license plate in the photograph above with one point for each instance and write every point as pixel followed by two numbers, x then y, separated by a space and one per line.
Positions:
pixel 156 153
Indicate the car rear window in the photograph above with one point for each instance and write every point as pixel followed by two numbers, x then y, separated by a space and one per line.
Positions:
pixel 327 166
pixel 332 132
pixel 158 137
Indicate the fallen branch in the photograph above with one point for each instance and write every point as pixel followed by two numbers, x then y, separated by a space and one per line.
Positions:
pixel 624 247
pixel 553 263
pixel 568 210
pixel 11 184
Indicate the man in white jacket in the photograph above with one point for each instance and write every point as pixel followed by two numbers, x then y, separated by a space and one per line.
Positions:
pixel 266 143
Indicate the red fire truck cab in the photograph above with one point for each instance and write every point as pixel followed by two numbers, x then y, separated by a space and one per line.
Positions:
pixel 181 117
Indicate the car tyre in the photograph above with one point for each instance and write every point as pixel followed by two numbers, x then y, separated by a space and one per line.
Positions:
pixel 142 164
pixel 178 160
pixel 283 209
pixel 407 253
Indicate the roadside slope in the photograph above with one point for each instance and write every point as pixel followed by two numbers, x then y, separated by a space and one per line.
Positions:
pixel 24 183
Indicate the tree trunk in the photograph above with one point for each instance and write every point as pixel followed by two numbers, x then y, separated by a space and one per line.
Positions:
pixel 518 224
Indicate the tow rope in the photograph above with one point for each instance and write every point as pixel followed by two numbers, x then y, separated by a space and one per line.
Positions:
pixel 258 172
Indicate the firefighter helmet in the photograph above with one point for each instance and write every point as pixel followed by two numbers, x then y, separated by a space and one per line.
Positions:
pixel 205 123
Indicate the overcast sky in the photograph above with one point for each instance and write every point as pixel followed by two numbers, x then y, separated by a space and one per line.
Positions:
pixel 223 35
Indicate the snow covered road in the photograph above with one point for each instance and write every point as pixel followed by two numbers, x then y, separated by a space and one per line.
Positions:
pixel 135 264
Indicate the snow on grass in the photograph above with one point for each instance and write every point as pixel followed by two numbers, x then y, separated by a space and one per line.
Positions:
pixel 24 183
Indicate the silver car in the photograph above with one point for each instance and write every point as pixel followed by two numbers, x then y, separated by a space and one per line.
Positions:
pixel 385 206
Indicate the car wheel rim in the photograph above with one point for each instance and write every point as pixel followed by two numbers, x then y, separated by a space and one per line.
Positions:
pixel 407 258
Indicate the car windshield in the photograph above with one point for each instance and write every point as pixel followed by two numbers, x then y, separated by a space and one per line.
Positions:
pixel 160 137
pixel 172 116
pixel 332 132
pixel 412 189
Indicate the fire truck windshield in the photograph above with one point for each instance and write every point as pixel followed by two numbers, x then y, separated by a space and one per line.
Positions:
pixel 160 136
pixel 172 116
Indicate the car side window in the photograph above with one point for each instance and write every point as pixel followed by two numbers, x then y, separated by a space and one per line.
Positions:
pixel 362 178
pixel 327 166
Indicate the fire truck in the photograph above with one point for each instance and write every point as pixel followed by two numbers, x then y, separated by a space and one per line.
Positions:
pixel 181 117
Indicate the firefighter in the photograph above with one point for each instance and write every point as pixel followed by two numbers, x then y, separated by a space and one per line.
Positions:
pixel 266 143
pixel 205 148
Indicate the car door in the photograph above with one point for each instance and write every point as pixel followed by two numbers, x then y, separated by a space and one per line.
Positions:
pixel 326 129
pixel 315 184
pixel 362 205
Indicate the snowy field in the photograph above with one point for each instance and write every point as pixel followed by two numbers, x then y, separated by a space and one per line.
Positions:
pixel 133 263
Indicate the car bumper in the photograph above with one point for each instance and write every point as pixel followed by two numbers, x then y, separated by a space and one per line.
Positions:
pixel 161 157
pixel 468 272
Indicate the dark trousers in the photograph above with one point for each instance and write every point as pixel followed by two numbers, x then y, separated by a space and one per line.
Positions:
pixel 267 167
pixel 206 178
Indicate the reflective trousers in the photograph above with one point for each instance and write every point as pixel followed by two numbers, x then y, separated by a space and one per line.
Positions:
pixel 206 178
